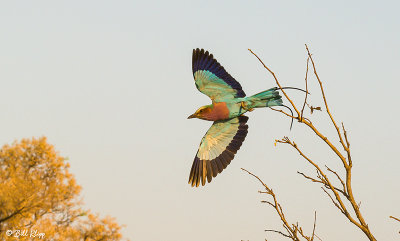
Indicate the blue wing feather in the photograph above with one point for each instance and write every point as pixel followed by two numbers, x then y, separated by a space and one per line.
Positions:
pixel 204 61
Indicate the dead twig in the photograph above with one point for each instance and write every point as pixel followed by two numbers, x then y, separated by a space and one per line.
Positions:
pixel 281 111
pixel 340 179
pixel 315 224
pixel 312 108
pixel 394 218
pixel 324 97
pixel 279 232
pixel 277 82
pixel 292 231
pixel 305 98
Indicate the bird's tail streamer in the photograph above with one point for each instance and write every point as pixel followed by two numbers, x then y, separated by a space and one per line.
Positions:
pixel 291 112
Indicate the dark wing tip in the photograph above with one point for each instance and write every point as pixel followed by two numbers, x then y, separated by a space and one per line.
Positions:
pixel 203 170
pixel 197 173
pixel 243 119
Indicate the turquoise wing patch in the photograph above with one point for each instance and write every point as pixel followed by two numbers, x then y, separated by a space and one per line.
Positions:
pixel 217 149
pixel 212 79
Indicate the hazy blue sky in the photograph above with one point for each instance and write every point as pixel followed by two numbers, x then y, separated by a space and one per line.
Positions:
pixel 110 84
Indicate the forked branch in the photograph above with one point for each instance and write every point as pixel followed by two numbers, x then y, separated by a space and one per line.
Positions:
pixel 341 196
pixel 293 231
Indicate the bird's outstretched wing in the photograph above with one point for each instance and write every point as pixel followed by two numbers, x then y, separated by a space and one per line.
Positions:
pixel 217 149
pixel 212 79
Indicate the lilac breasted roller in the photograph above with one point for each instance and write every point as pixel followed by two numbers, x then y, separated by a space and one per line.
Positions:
pixel 229 102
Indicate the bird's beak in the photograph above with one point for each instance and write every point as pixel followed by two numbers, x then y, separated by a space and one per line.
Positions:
pixel 191 116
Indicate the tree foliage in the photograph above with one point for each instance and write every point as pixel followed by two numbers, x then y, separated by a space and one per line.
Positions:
pixel 39 194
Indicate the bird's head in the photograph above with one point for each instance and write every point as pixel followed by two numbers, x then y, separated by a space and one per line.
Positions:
pixel 201 113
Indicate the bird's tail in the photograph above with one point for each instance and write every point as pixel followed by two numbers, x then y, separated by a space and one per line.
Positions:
pixel 267 98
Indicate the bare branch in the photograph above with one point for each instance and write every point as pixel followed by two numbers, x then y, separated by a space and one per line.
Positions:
pixel 310 178
pixel 327 141
pixel 340 179
pixel 281 233
pixel 265 185
pixel 347 145
pixel 315 221
pixel 345 158
pixel 318 237
pixel 305 99
pixel 292 230
pixel 337 205
pixel 281 111
pixel 322 181
pixel 325 101
pixel 335 191
pixel 394 218
pixel 268 202
pixel 348 165
pixel 277 82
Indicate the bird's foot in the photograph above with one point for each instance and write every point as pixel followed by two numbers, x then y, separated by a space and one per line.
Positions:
pixel 244 106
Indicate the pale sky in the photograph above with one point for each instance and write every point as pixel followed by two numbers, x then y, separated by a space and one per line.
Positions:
pixel 110 84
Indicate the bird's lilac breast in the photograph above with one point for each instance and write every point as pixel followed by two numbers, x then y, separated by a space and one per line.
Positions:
pixel 220 111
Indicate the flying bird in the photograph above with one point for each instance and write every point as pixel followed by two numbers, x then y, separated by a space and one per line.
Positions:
pixel 229 102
